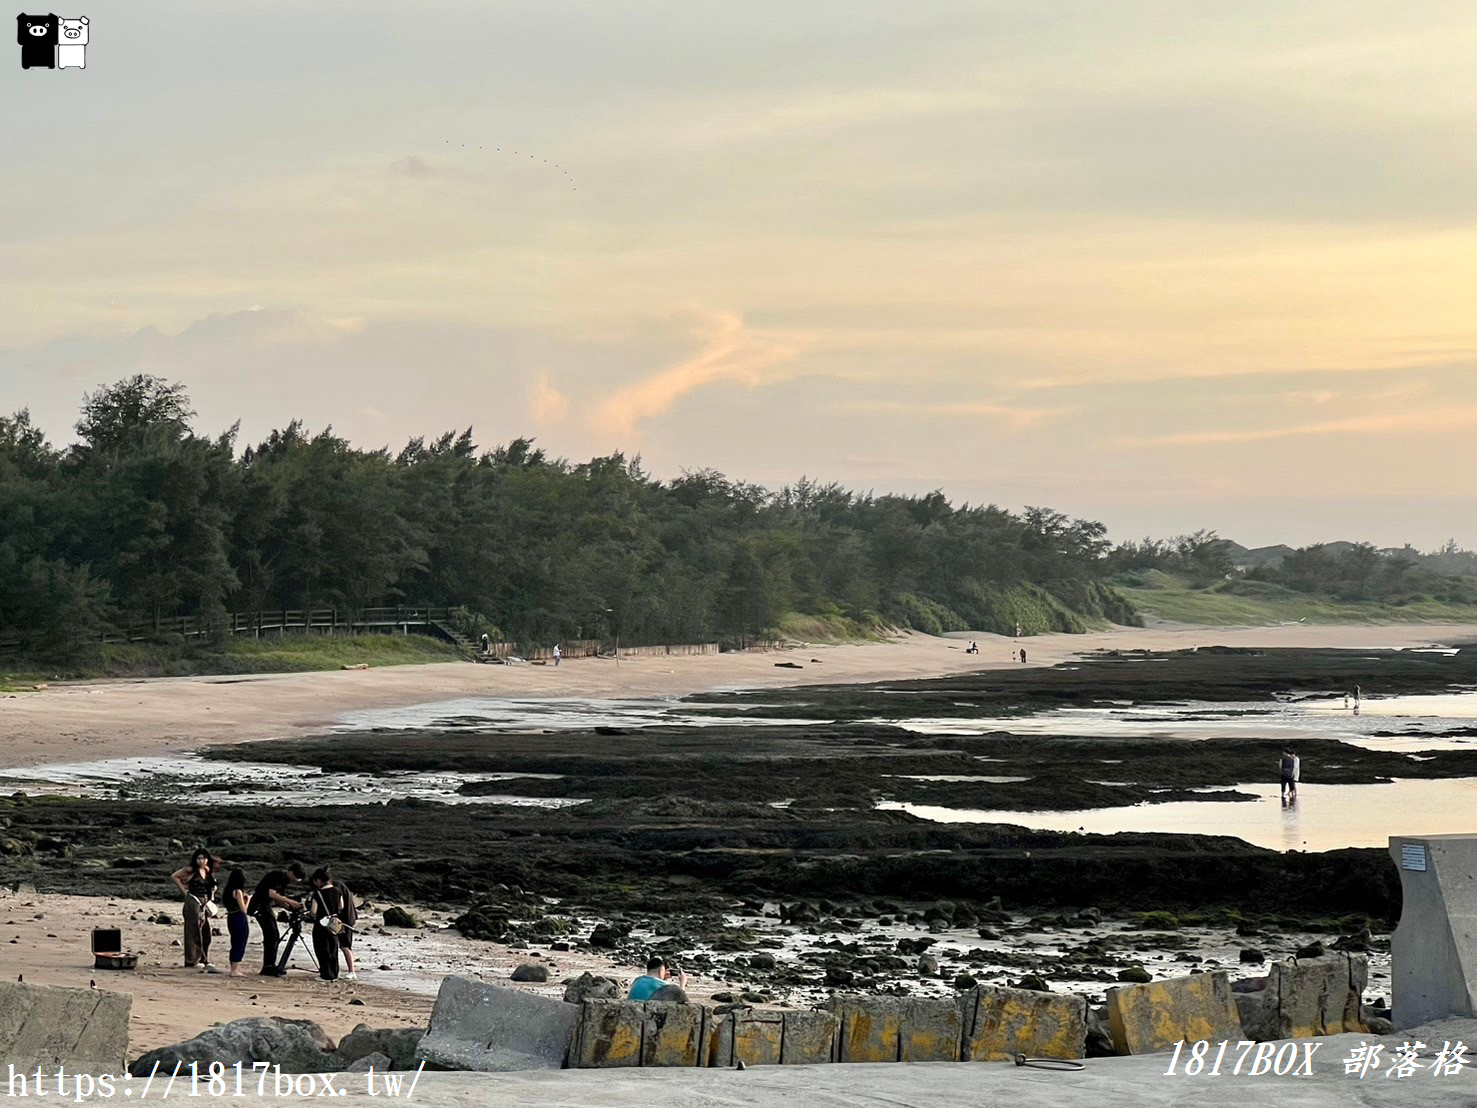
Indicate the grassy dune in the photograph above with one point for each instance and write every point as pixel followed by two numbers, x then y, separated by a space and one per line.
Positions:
pixel 1246 603
pixel 285 654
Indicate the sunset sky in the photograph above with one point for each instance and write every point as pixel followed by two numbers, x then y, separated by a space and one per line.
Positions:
pixel 1168 265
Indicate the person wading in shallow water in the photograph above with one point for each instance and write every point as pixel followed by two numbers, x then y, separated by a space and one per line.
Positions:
pixel 1289 770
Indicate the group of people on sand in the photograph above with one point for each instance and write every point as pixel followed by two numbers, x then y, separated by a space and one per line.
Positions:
pixel 329 905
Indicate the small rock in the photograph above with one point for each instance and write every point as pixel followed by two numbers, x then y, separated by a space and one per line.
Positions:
pixel 375 1061
pixel 529 971
pixel 399 917
pixel 928 965
pixel 964 982
pixel 1252 957
pixel 1034 982
pixel 1135 975
pixel 1312 950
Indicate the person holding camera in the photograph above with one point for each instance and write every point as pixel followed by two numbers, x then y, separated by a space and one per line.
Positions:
pixel 271 892
pixel 658 976
pixel 328 905
pixel 197 883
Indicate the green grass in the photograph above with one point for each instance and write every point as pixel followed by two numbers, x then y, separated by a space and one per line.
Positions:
pixel 833 627
pixel 1250 603
pixel 284 654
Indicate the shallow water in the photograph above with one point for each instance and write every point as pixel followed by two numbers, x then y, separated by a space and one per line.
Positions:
pixel 194 779
pixel 494 714
pixel 1324 817
pixel 1424 718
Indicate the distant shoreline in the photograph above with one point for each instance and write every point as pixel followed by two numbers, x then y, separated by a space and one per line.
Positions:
pixel 86 721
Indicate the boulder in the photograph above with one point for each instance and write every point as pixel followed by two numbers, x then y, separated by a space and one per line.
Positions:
pixel 375 1061
pixel 669 994
pixel 82 1030
pixel 531 972
pixel 762 961
pixel 589 987
pixel 492 1028
pixel 399 917
pixel 396 1043
pixel 295 1046
pixel 928 965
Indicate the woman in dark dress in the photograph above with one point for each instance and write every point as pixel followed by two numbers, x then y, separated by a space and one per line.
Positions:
pixel 327 905
pixel 235 898
pixel 198 884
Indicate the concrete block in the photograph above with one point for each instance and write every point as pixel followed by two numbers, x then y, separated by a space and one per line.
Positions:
pixel 1434 950
pixel 1307 997
pixel 492 1028
pixel 929 1031
pixel 870 1028
pixel 758 1037
pixel 672 1034
pixel 809 1038
pixel 1153 1017
pixel 1000 1023
pixel 717 1046
pixel 83 1030
pixel 610 1034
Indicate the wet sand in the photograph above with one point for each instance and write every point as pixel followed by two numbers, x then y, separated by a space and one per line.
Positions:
pixel 85 721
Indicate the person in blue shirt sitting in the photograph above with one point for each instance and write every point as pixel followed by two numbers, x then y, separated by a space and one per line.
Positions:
pixel 657 976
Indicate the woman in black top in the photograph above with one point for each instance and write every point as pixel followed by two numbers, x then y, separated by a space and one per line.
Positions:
pixel 327 905
pixel 235 899
pixel 198 884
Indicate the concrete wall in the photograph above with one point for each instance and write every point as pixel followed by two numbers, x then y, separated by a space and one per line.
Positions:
pixel 83 1030
pixel 984 1025
pixel 1434 950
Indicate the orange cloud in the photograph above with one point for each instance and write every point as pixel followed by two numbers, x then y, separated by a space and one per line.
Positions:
pixel 731 352
pixel 1389 423
pixel 548 404
pixel 1016 417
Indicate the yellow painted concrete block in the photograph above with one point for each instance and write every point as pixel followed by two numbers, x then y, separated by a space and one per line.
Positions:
pixel 609 1034
pixel 1144 1019
pixel 1001 1023
pixel 673 1034
pixel 871 1028
pixel 929 1032
pixel 758 1037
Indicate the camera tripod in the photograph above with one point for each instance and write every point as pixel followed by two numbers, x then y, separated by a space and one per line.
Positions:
pixel 294 933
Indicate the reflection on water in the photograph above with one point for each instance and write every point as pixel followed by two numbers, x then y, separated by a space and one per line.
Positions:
pixel 1324 817
pixel 1427 717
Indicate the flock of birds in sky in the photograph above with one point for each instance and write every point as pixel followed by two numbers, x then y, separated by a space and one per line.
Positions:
pixel 532 157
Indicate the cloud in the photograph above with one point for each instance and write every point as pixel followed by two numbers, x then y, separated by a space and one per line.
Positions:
pixel 1016 417
pixel 1432 421
pixel 1312 396
pixel 548 404
pixel 731 353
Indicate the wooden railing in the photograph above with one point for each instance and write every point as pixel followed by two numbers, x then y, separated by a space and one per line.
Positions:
pixel 329 620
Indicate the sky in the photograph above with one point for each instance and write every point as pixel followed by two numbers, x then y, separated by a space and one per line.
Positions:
pixel 1169 266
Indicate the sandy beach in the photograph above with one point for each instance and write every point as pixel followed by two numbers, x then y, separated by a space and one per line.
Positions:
pixel 84 721
pixel 45 936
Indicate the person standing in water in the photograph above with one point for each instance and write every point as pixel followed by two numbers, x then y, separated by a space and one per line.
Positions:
pixel 1288 772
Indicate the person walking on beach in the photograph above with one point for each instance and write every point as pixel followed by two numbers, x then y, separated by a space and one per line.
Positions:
pixel 197 883
pixel 235 897
pixel 271 891
pixel 557 655
pixel 1023 654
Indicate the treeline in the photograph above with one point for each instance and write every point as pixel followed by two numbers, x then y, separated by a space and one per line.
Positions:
pixel 1340 571
pixel 144 519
